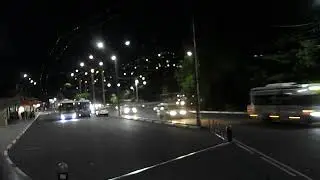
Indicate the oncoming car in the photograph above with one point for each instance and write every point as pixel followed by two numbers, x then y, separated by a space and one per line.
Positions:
pixel 129 110
pixel 67 110
pixel 171 111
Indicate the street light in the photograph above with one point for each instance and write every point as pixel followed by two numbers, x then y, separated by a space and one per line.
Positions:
pixel 144 82
pixel 143 78
pixel 90 56
pixel 113 57
pixel 82 64
pixel 92 70
pixel 92 86
pixel 118 84
pixel 100 63
pixel 127 43
pixel 31 81
pixel 131 87
pixel 189 53
pixel 109 85
pixel 77 70
pixel 34 83
pixel 72 74
pixel 25 75
pixel 136 82
pixel 100 45
pixel 86 73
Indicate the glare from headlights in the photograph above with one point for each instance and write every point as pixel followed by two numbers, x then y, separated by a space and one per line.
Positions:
pixel 74 115
pixel 62 117
pixel 173 113
pixel 315 114
pixel 183 112
pixel 126 110
pixel 134 110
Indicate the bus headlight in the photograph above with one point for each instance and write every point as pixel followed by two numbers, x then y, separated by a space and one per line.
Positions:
pixel 315 114
pixel 74 115
pixel 134 110
pixel 126 110
pixel 62 117
pixel 183 112
pixel 173 113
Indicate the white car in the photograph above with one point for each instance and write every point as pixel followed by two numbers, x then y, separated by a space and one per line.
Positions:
pixel 102 112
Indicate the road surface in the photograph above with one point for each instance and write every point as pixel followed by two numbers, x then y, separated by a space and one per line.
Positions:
pixel 110 147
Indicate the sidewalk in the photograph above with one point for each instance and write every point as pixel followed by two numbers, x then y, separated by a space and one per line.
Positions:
pixel 10 132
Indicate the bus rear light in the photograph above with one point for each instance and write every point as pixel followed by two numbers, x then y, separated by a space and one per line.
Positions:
pixel 273 116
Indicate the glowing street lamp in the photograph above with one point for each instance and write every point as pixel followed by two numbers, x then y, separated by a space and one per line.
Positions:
pixel 31 81
pixel 77 70
pixel 25 75
pixel 92 70
pixel 100 63
pixel 34 83
pixel 136 82
pixel 86 73
pixel 127 43
pixel 144 82
pixel 90 56
pixel 81 64
pixel 189 53
pixel 100 45
pixel 109 85
pixel 72 74
pixel 113 57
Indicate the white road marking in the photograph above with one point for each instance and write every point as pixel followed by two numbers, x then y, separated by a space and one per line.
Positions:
pixel 246 149
pixel 276 165
pixel 169 161
pixel 273 160
pixel 219 136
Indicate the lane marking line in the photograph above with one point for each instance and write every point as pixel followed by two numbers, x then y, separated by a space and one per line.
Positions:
pixel 276 165
pixel 219 136
pixel 169 161
pixel 273 160
pixel 246 149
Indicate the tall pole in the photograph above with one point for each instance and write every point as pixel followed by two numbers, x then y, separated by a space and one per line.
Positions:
pixel 137 92
pixel 117 81
pixel 80 88
pixel 92 88
pixel 196 67
pixel 102 83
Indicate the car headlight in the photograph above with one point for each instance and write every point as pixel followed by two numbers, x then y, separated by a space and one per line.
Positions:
pixel 126 110
pixel 173 113
pixel 74 115
pixel 183 112
pixel 134 110
pixel 62 117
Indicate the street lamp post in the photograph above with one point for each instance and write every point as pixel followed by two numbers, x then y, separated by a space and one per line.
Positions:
pixel 114 58
pixel 136 82
pixel 196 67
pixel 80 88
pixel 102 83
pixel 92 86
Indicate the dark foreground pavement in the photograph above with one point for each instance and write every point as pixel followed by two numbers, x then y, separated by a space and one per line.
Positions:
pixel 104 148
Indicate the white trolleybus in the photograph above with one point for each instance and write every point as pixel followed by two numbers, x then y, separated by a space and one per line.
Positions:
pixel 286 102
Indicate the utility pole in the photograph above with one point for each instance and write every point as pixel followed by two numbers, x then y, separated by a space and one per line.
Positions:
pixel 117 81
pixel 92 87
pixel 196 67
pixel 102 83
pixel 80 88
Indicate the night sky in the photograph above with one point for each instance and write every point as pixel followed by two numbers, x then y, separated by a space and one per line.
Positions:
pixel 29 29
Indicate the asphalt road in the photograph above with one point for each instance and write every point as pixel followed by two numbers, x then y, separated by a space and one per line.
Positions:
pixel 105 148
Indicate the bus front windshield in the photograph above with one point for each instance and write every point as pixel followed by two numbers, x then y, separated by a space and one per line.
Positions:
pixel 67 107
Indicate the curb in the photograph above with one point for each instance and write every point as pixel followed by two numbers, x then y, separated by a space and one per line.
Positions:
pixel 7 159
pixel 168 123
